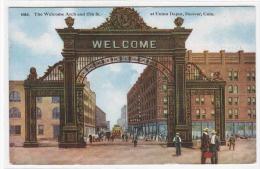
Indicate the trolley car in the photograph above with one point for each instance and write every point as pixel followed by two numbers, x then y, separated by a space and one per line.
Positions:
pixel 117 130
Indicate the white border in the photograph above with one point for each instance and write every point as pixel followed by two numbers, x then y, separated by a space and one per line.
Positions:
pixel 4 67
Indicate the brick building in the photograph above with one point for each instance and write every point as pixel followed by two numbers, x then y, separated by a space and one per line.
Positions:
pixel 147 99
pixel 147 104
pixel 48 114
pixel 238 70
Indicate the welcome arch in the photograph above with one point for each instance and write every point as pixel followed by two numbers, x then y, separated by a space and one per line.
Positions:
pixel 124 37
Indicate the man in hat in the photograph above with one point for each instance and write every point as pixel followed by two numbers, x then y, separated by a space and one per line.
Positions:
pixel 214 147
pixel 177 140
pixel 204 144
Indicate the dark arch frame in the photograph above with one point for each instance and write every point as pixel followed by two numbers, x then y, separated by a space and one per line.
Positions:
pixel 170 43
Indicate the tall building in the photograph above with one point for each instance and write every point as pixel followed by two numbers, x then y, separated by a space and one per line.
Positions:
pixel 47 112
pixel 122 121
pixel 147 99
pixel 147 104
pixel 89 109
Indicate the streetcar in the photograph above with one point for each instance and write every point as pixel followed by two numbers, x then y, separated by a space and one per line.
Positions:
pixel 117 130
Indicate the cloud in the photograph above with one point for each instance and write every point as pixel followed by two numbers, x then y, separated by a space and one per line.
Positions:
pixel 44 45
pixel 115 68
pixel 138 67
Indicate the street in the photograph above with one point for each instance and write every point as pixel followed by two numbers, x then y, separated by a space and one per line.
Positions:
pixel 118 152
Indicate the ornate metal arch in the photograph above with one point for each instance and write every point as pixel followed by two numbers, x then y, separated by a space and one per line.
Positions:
pixel 123 59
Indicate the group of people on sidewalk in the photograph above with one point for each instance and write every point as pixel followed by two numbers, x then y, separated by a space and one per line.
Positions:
pixel 209 145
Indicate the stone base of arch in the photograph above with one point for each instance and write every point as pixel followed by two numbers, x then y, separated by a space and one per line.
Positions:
pixel 30 144
pixel 72 145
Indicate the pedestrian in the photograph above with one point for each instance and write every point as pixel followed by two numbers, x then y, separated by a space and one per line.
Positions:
pixel 204 145
pixel 112 137
pixel 126 137
pixel 123 137
pixel 231 141
pixel 135 140
pixel 90 138
pixel 177 140
pixel 214 147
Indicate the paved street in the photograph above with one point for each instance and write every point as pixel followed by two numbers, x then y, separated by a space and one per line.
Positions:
pixel 116 153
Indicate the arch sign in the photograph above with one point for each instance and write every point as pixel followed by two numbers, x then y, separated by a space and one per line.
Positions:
pixel 124 37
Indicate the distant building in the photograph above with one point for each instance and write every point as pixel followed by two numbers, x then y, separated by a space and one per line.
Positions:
pixel 101 123
pixel 122 121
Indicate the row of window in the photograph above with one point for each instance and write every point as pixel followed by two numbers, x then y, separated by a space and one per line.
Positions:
pixel 249 101
pixel 16 129
pixel 230 113
pixel 16 97
pixel 232 90
pixel 201 114
pixel 15 113
pixel 250 76
pixel 249 89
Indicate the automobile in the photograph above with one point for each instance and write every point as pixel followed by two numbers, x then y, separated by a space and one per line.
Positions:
pixel 238 137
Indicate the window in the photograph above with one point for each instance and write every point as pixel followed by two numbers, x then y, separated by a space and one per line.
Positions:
pixel 40 129
pixel 55 99
pixel 15 130
pixel 39 99
pixel 56 113
pixel 230 114
pixel 197 114
pixel 248 76
pixel 235 89
pixel 197 99
pixel 230 76
pixel 230 100
pixel 254 101
pixel 236 101
pixel 212 113
pixel 196 74
pixel 14 113
pixel 253 76
pixel 39 113
pixel 253 89
pixel 230 89
pixel 14 97
pixel 254 114
pixel 236 113
pixel 248 89
pixel 203 114
pixel 249 113
pixel 164 88
pixel 212 100
pixel 203 100
pixel 235 76
pixel 165 100
pixel 249 101
pixel 165 112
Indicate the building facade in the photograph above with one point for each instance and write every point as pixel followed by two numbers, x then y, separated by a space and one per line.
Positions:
pixel 238 70
pixel 47 112
pixel 89 110
pixel 147 105
pixel 122 121
pixel 101 123
pixel 147 99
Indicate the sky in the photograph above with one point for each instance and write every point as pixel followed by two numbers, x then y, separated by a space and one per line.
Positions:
pixel 33 42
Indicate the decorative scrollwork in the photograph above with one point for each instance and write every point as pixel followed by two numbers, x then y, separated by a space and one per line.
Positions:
pixel 124 18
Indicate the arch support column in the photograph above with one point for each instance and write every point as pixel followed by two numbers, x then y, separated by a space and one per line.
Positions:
pixel 72 129
pixel 30 119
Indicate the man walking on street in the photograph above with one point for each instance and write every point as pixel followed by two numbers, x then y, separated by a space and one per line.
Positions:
pixel 177 140
pixel 204 145
pixel 214 147
pixel 232 141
